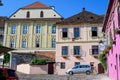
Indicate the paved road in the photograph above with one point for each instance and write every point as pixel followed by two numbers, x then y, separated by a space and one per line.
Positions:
pixel 64 77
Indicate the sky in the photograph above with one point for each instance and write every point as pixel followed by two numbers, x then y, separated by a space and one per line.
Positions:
pixel 65 8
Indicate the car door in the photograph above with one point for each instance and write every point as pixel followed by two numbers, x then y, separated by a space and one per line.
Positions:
pixel 75 69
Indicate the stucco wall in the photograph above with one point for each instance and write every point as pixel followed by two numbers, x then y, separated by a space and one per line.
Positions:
pixel 85 41
pixel 35 13
pixel 23 68
pixel 113 57
pixel 32 69
pixel 45 35
pixel 86 56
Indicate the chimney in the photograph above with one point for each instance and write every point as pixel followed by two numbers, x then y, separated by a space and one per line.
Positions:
pixel 83 9
pixel 53 7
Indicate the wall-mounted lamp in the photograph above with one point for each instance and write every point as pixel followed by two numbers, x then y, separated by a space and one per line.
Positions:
pixel 101 45
pixel 1 4
pixel 100 42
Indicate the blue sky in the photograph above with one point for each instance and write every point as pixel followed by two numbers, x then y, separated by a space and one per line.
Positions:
pixel 65 8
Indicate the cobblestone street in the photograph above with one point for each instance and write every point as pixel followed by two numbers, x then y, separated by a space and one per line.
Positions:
pixel 63 77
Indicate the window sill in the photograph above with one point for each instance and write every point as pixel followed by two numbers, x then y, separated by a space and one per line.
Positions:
pixel 94 37
pixel 77 38
pixel 64 56
pixel 77 55
pixel 65 38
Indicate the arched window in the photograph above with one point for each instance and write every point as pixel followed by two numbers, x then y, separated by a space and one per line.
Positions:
pixel 28 14
pixel 41 14
pixel 53 43
pixel 12 43
pixel 53 29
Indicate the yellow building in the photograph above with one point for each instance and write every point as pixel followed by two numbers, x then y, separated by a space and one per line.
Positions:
pixel 31 28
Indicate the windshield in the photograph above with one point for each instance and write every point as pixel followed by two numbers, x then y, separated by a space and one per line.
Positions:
pixel 75 67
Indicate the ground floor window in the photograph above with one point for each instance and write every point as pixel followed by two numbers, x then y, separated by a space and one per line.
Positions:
pixel 95 49
pixel 77 63
pixel 62 65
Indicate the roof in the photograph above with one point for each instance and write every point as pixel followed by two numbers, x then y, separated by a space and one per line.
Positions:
pixel 82 17
pixel 34 19
pixel 46 54
pixel 110 5
pixel 2 21
pixel 36 5
pixel 4 49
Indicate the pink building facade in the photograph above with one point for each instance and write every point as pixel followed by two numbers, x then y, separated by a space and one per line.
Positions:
pixel 111 28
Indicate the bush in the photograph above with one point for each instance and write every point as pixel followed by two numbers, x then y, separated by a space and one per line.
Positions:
pixel 38 61
pixel 6 58
pixel 103 61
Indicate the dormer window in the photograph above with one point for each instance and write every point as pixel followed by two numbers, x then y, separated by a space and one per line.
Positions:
pixel 28 14
pixel 41 14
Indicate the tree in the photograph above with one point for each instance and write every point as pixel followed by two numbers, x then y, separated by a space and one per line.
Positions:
pixel 6 58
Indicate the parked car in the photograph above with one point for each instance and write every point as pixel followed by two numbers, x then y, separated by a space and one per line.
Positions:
pixel 80 69
pixel 9 74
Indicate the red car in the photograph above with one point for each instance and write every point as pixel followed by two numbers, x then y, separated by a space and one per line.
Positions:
pixel 8 74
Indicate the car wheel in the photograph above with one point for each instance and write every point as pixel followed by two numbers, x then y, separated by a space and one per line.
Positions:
pixel 71 73
pixel 88 72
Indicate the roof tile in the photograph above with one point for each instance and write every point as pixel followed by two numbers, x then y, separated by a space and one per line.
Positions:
pixel 82 17
pixel 35 5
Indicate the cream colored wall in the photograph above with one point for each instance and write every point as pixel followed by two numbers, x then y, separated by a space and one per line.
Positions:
pixel 45 35
pixel 35 13
pixel 85 32
pixel 85 42
pixel 24 68
pixel 86 56
pixel 32 69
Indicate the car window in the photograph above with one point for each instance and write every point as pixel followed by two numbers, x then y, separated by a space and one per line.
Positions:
pixel 75 67
pixel 11 73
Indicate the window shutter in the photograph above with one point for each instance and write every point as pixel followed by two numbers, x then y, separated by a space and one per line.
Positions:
pixel 98 33
pixel 69 35
pixel 90 33
pixel 60 34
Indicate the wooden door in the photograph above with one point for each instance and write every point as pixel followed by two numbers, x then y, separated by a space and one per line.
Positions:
pixel 100 68
pixel 50 68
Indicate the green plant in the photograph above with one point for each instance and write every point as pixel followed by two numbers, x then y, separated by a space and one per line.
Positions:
pixel 103 60
pixel 6 58
pixel 38 61
pixel 109 47
pixel 117 31
pixel 105 51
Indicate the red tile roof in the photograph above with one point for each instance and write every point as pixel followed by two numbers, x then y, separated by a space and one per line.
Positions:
pixel 36 5
pixel 49 55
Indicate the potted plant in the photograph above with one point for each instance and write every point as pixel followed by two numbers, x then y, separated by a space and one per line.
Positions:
pixel 108 47
pixel 117 31
pixel 105 51
pixel 73 38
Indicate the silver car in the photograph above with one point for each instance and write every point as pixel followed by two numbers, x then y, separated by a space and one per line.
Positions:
pixel 79 69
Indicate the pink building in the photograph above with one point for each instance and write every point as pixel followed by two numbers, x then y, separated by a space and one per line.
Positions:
pixel 111 27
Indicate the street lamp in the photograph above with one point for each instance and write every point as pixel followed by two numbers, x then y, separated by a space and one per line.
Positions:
pixel 1 4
